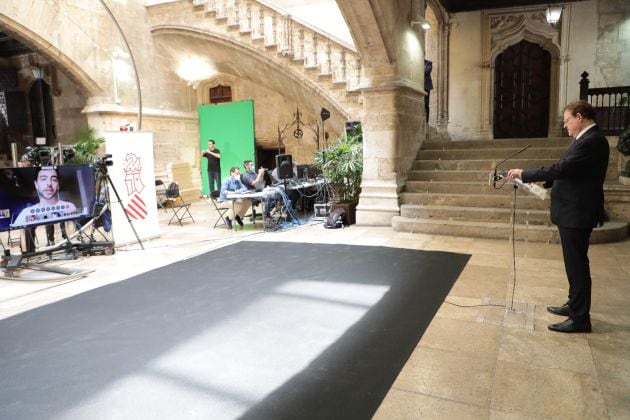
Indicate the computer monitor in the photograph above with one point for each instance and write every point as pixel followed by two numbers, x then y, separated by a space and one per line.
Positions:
pixel 303 172
pixel 24 197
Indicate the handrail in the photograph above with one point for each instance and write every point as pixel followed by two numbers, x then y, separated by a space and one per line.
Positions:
pixel 611 104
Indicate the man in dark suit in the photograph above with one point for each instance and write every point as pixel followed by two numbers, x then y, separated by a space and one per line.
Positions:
pixel 577 206
pixel 428 86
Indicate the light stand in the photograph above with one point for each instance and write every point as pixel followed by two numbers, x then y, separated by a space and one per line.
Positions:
pixel 325 114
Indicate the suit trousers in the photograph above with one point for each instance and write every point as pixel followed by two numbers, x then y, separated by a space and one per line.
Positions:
pixel 575 252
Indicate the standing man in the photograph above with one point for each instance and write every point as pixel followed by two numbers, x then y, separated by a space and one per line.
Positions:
pixel 577 205
pixel 428 86
pixel 214 166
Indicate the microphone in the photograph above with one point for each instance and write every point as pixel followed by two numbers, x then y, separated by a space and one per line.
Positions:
pixel 494 176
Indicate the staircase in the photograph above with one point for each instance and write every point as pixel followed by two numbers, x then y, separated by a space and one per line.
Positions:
pixel 448 193
pixel 323 62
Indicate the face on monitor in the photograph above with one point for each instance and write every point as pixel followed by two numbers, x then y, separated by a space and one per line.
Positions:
pixel 31 196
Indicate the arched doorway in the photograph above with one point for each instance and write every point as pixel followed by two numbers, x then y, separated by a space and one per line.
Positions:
pixel 521 91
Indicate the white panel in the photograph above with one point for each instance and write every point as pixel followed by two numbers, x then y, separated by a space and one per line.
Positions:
pixel 133 176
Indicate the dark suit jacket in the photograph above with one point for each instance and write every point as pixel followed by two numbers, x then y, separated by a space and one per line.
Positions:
pixel 428 81
pixel 577 195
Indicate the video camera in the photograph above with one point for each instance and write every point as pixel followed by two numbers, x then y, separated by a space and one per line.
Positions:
pixel 102 162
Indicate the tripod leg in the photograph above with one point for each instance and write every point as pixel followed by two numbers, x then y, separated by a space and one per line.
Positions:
pixel 124 211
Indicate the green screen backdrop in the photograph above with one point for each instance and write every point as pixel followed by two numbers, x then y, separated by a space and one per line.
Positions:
pixel 231 126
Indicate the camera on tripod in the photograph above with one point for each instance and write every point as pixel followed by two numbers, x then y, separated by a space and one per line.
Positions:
pixel 102 162
pixel 46 155
pixel 37 156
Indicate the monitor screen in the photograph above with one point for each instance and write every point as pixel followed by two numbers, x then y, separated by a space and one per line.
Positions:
pixel 303 171
pixel 31 196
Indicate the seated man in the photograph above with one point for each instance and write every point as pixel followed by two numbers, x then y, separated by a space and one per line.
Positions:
pixel 256 182
pixel 252 180
pixel 240 206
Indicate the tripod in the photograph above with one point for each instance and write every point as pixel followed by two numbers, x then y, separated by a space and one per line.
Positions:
pixel 101 166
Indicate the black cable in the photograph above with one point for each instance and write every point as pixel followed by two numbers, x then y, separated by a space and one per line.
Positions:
pixel 513 248
pixel 474 306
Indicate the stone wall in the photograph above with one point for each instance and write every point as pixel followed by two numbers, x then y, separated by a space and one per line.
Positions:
pixel 613 43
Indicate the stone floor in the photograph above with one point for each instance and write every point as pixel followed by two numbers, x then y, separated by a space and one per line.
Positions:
pixel 496 361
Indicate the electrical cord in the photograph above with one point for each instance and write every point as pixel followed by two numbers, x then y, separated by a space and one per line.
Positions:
pixel 474 306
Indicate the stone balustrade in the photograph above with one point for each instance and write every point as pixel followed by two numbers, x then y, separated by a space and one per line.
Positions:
pixel 290 37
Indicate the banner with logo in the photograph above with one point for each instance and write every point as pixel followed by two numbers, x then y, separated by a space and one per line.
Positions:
pixel 133 176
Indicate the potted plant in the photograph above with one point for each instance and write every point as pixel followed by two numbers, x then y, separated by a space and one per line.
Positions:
pixel 86 145
pixel 623 145
pixel 342 165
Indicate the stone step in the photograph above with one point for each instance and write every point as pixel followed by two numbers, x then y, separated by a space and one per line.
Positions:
pixel 613 231
pixel 448 192
pixel 471 188
pixel 497 154
pixel 449 176
pixel 487 214
pixel 497 144
pixel 498 201
pixel 478 164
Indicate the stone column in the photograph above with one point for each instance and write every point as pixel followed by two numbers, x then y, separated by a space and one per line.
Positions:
pixel 392 130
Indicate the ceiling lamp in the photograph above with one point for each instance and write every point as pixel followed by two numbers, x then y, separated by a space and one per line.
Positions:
pixel 553 14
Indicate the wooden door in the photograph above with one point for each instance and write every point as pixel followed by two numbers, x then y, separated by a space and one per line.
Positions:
pixel 521 92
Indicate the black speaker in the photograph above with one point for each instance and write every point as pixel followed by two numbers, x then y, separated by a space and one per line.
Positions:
pixel 284 163
pixel 353 129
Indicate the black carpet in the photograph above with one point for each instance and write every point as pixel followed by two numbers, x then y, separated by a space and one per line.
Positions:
pixel 255 330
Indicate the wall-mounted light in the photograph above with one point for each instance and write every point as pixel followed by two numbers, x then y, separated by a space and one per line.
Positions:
pixel 553 14
pixel 38 72
pixel 424 24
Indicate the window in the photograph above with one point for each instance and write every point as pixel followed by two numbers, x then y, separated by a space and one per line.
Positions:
pixel 220 94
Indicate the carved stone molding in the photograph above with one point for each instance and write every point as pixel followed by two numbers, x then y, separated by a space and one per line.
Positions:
pixel 506 30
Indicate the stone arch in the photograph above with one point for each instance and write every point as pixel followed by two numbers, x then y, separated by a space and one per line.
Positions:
pixel 168 35
pixel 504 29
pixel 367 22
pixel 56 56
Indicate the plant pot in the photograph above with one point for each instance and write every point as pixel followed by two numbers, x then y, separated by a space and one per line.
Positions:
pixel 350 209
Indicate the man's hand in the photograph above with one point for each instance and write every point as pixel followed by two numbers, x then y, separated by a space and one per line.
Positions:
pixel 515 173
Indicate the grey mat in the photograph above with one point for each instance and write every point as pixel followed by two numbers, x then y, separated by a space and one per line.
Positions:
pixel 255 330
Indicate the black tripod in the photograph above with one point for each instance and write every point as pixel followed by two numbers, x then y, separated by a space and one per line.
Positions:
pixel 101 167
